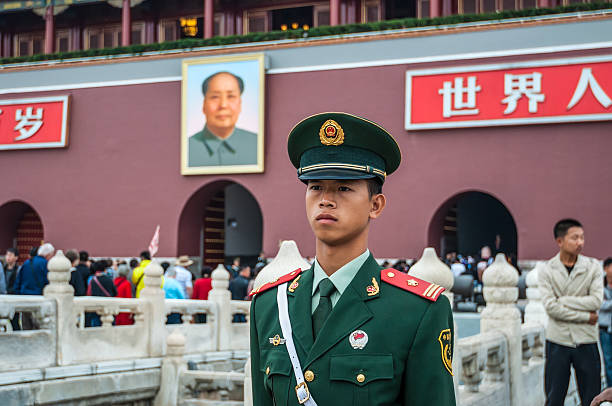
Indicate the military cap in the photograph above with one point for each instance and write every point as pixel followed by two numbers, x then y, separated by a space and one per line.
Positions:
pixel 342 146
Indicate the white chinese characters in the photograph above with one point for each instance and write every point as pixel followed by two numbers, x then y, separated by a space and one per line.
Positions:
pixel 459 100
pixel 29 123
pixel 517 86
pixel 588 80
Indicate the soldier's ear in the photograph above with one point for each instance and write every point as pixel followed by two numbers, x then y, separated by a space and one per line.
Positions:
pixel 377 205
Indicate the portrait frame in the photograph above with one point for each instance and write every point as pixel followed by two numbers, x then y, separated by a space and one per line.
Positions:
pixel 251 117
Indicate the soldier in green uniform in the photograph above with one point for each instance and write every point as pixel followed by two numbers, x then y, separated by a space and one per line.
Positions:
pixel 345 331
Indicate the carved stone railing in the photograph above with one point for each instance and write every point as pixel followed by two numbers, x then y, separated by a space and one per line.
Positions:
pixel 64 339
pixel 483 369
pixel 199 336
pixel 29 348
pixel 240 331
pixel 111 342
pixel 532 371
pixel 107 308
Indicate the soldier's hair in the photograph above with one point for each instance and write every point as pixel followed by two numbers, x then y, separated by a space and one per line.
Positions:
pixel 211 77
pixel 563 226
pixel 374 187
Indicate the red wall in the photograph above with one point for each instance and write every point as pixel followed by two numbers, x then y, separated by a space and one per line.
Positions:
pixel 120 175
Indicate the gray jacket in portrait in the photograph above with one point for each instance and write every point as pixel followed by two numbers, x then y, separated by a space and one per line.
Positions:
pixel 206 149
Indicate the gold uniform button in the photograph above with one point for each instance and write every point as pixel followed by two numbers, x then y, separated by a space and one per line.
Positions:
pixel 309 376
pixel 268 371
pixel 360 378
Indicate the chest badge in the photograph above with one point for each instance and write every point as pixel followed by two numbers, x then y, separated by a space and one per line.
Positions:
pixel 276 340
pixel 358 339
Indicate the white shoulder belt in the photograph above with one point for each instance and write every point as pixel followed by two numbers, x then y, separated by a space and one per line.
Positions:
pixel 301 390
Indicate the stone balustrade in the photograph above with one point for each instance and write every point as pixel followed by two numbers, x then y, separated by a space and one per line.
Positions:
pixel 62 338
pixel 42 311
pixel 502 366
pixel 482 357
pixel 107 309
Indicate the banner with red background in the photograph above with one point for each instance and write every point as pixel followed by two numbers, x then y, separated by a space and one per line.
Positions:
pixel 568 90
pixel 34 123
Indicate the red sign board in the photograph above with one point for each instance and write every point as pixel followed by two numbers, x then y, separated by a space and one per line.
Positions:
pixel 534 92
pixel 34 123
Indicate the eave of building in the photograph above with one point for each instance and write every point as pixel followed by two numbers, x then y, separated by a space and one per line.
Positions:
pixel 20 5
pixel 542 35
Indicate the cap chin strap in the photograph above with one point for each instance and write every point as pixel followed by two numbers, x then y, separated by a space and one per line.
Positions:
pixel 301 390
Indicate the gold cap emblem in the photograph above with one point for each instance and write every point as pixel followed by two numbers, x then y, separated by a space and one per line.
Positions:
pixel 331 133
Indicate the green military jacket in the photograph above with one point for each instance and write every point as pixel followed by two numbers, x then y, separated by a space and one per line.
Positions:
pixel 406 359
pixel 205 149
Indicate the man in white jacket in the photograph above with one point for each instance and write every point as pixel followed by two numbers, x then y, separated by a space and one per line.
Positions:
pixel 571 286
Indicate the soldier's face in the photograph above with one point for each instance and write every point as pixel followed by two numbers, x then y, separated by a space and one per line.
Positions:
pixel 222 103
pixel 340 210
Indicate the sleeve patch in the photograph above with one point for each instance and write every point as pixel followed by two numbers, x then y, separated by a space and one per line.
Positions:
pixel 446 342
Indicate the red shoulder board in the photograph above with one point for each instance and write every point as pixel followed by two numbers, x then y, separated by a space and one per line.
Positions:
pixel 425 289
pixel 279 281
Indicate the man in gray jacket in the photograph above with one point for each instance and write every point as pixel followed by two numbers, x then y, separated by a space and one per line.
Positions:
pixel 571 286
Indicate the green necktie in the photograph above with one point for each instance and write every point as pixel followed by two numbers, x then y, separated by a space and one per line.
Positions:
pixel 324 308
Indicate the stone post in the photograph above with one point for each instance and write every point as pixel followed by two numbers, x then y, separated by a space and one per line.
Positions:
pixel 287 259
pixel 60 290
pixel 172 366
pixel 154 294
pixel 534 311
pixel 248 389
pixel 221 296
pixel 431 269
pixel 501 314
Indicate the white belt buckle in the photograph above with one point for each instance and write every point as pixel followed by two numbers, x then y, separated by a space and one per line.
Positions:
pixel 302 393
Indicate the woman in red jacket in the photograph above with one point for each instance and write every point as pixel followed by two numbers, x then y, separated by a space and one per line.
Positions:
pixel 124 289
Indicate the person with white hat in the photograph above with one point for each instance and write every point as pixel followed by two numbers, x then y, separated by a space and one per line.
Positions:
pixel 183 276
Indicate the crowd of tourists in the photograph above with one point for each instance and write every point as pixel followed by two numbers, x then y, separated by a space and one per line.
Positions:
pixel 117 278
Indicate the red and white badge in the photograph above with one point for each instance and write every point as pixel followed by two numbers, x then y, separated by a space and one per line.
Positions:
pixel 358 339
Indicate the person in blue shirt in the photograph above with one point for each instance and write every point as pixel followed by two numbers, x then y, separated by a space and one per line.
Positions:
pixel 173 290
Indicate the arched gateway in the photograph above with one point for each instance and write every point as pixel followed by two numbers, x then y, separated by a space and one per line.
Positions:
pixel 20 227
pixel 221 220
pixel 469 220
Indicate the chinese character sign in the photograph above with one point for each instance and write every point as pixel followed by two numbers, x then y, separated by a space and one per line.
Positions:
pixel 571 90
pixel 34 123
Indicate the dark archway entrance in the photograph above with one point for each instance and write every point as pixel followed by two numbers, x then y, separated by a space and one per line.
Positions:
pixel 470 220
pixel 220 221
pixel 20 227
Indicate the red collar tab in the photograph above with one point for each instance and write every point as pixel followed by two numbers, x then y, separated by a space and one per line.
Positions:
pixel 427 290
pixel 278 281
